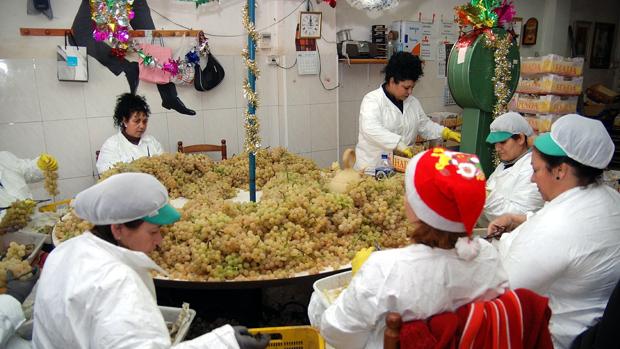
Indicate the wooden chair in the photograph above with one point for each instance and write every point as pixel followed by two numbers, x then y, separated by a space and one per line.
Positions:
pixel 201 148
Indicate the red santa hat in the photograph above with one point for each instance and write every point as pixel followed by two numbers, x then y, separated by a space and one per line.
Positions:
pixel 446 189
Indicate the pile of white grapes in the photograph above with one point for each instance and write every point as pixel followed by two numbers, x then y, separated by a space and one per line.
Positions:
pixel 17 216
pixel 12 261
pixel 298 226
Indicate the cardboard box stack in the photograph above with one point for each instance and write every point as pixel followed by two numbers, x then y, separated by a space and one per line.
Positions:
pixel 548 88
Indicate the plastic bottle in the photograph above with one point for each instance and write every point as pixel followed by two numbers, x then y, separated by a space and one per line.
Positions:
pixel 385 161
pixel 390 49
pixel 385 169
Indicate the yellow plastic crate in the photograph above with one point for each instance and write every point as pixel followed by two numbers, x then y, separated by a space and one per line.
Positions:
pixel 292 337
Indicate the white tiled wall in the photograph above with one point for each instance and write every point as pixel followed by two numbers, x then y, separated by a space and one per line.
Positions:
pixel 71 120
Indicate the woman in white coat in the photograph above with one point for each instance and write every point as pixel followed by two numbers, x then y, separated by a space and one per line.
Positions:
pixel 16 173
pixel 569 250
pixel 96 290
pixel 391 118
pixel 131 116
pixel 443 269
pixel 510 188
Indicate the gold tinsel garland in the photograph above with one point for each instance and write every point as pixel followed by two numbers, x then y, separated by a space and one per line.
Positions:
pixel 249 63
pixel 502 75
pixel 252 140
pixel 249 94
pixel 252 127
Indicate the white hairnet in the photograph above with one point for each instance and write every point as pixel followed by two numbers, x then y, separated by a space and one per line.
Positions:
pixel 584 140
pixel 121 198
pixel 511 122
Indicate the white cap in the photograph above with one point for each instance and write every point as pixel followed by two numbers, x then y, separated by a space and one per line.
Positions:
pixel 581 139
pixel 506 125
pixel 126 197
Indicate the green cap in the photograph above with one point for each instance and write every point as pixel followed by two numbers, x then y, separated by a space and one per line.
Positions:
pixel 165 215
pixel 546 145
pixel 498 136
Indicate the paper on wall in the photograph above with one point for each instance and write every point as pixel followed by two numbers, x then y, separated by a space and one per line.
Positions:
pixel 447 95
pixel 449 32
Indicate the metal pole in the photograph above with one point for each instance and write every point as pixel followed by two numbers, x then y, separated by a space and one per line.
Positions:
pixel 251 109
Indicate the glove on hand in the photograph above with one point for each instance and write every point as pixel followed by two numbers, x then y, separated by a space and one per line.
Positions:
pixel 248 341
pixel 404 149
pixel 448 134
pixel 47 162
pixel 360 257
pixel 20 289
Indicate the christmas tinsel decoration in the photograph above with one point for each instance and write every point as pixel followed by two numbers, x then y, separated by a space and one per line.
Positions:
pixel 252 137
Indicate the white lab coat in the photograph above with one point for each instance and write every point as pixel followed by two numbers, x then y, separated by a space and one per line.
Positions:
pixel 118 149
pixel 93 294
pixel 15 174
pixel 512 190
pixel 568 251
pixel 11 318
pixel 416 281
pixel 382 126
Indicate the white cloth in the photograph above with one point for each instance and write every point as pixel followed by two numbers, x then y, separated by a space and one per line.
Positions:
pixel 383 125
pixel 568 251
pixel 95 295
pixel 584 140
pixel 121 198
pixel 511 190
pixel 15 174
pixel 416 281
pixel 118 149
pixel 11 318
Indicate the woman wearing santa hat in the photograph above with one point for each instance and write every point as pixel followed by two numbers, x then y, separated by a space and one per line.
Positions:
pixel 444 267
pixel 569 250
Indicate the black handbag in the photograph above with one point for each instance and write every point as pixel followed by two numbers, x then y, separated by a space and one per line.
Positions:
pixel 209 77
pixel 41 5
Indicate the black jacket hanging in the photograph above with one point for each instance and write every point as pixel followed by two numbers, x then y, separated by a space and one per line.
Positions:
pixel 209 77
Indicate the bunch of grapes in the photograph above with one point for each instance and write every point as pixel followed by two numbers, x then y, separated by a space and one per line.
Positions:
pixel 15 251
pixel 17 216
pixel 70 226
pixel 51 182
pixel 13 261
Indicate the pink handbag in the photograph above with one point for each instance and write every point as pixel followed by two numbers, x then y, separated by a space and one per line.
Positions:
pixel 155 74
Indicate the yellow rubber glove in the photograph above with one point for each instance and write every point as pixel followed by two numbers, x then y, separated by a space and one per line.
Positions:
pixel 408 152
pixel 47 162
pixel 360 257
pixel 448 134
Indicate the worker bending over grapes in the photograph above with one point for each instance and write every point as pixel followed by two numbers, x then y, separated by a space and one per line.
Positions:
pixel 96 290
pixel 391 118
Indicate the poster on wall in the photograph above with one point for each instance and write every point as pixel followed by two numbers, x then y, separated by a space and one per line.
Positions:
pixel 602 42
pixel 448 32
pixel 426 51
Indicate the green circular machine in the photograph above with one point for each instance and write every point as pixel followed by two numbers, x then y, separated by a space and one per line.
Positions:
pixel 471 68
